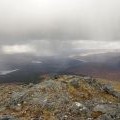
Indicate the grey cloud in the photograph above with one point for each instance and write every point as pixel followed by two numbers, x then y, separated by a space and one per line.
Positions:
pixel 59 20
pixel 53 26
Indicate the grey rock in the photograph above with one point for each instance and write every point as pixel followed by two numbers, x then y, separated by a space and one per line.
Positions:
pixel 92 82
pixel 7 118
pixel 104 108
pixel 110 112
pixel 77 108
pixel 109 89
pixel 74 83
pixel 30 85
pixel 87 78
pixel 116 94
pixel 16 100
pixel 110 116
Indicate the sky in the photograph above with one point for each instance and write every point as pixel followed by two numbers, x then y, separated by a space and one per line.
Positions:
pixel 53 27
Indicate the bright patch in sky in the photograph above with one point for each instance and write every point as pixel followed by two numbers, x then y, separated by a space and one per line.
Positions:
pixel 92 44
pixel 13 49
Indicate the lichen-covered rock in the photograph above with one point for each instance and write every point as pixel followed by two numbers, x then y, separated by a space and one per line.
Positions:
pixel 104 108
pixel 77 108
pixel 6 117
pixel 115 115
pixel 110 90
pixel 74 83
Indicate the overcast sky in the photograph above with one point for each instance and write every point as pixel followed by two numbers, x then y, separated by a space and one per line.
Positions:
pixel 48 27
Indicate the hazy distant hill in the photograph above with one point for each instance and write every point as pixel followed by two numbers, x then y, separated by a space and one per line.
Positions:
pixel 102 65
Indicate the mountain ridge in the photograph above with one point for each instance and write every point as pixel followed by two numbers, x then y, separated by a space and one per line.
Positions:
pixel 60 97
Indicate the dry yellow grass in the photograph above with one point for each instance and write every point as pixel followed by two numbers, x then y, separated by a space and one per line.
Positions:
pixel 96 114
pixel 86 92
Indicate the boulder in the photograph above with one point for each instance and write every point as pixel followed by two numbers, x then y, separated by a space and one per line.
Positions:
pixel 115 115
pixel 78 108
pixel 74 83
pixel 110 90
pixel 7 117
pixel 104 108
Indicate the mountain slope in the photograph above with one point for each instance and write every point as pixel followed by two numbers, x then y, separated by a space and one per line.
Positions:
pixel 60 97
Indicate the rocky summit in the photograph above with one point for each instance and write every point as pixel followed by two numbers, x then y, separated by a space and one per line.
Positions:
pixel 61 97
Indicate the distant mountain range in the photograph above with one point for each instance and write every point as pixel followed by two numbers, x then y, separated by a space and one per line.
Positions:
pixel 29 68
